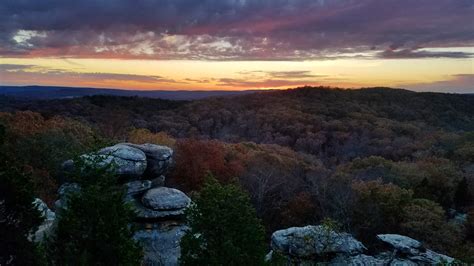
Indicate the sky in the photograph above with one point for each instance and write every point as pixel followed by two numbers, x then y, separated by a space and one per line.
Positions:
pixel 422 45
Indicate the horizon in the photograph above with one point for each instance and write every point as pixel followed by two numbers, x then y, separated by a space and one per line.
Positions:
pixel 238 45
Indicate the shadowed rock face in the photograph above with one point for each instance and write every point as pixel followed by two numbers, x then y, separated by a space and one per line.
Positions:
pixel 161 245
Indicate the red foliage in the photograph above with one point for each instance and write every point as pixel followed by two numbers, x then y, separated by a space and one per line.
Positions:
pixel 195 159
pixel 299 211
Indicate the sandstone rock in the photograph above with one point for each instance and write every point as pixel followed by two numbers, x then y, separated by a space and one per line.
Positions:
pixel 158 182
pixel 63 192
pixel 159 158
pixel 431 257
pixel 401 243
pixel 124 160
pixel 164 198
pixel 128 161
pixel 413 250
pixel 137 187
pixel 162 245
pixel 45 228
pixel 359 260
pixel 314 241
pixel 46 213
pixel 144 213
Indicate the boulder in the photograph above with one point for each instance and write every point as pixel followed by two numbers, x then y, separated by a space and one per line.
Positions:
pixel 158 182
pixel 63 192
pixel 144 213
pixel 410 249
pixel 127 161
pixel 159 158
pixel 314 241
pixel 161 246
pixel 401 243
pixel 137 187
pixel 359 260
pixel 164 198
pixel 124 160
pixel 49 217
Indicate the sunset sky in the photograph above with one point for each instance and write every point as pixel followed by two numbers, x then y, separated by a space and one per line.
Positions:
pixel 423 45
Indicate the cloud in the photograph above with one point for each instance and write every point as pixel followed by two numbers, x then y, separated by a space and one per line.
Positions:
pixel 267 83
pixel 460 83
pixel 417 53
pixel 12 73
pixel 233 29
pixel 294 74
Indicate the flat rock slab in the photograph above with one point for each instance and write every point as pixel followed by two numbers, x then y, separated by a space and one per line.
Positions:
pixel 144 213
pixel 124 152
pixel 159 158
pixel 401 243
pixel 164 198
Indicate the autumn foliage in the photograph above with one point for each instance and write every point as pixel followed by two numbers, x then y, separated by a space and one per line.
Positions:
pixel 195 159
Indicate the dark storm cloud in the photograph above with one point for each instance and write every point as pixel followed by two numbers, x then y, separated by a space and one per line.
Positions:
pixel 234 29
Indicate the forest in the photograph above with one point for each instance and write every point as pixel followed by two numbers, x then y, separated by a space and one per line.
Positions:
pixel 372 160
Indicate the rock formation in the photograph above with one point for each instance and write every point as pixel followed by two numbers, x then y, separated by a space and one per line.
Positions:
pixel 314 241
pixel 317 244
pixel 130 160
pixel 160 218
pixel 49 217
pixel 160 210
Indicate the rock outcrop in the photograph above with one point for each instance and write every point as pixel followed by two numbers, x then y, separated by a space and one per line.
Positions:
pixel 159 158
pixel 164 198
pixel 314 241
pixel 49 217
pixel 410 249
pixel 317 244
pixel 123 160
pixel 160 210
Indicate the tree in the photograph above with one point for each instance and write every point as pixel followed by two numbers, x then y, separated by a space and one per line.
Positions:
pixel 93 227
pixel 425 220
pixel 143 135
pixel 378 208
pixel 196 158
pixel 461 195
pixel 19 217
pixel 224 229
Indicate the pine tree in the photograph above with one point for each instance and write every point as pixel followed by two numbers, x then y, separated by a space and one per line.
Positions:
pixel 94 227
pixel 19 217
pixel 461 195
pixel 224 229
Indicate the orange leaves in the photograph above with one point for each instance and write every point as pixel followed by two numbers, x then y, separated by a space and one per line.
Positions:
pixel 24 123
pixel 143 135
pixel 197 158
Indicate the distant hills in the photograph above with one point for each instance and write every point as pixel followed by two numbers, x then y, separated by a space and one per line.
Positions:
pixel 47 92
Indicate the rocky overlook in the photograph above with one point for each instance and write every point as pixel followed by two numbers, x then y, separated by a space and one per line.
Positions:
pixel 159 209
pixel 320 244
pixel 160 219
